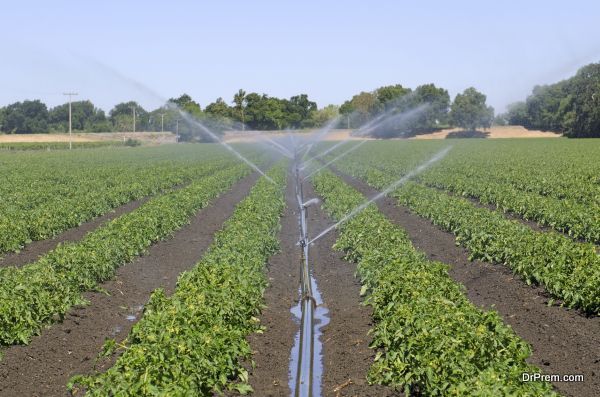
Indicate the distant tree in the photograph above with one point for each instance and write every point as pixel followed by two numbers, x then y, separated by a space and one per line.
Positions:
pixel 121 117
pixel 469 110
pixel 361 108
pixel 299 110
pixel 218 108
pixel 322 116
pixel 27 117
pixel 187 104
pixel 581 109
pixel 239 99
pixel 85 117
pixel 391 96
pixel 517 114
pixel 571 106
pixel 435 104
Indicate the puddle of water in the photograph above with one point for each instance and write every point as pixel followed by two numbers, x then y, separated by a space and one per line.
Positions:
pixel 321 319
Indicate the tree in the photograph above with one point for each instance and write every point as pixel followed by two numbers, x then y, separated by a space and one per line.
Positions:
pixel 571 106
pixel 121 116
pixel 85 117
pixel 218 108
pixel 27 117
pixel 391 96
pixel 187 104
pixel 361 108
pixel 299 110
pixel 469 110
pixel 433 103
pixel 321 117
pixel 239 99
pixel 582 109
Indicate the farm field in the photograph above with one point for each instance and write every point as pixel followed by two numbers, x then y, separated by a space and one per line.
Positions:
pixel 175 270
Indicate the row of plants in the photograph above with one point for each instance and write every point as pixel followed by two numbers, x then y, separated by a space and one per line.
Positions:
pixel 569 270
pixel 192 342
pixel 562 192
pixel 43 194
pixel 42 292
pixel 431 340
pixel 579 220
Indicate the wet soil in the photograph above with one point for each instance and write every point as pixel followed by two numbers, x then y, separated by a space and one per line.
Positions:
pixel 44 367
pixel 564 341
pixel 345 339
pixel 346 353
pixel 271 349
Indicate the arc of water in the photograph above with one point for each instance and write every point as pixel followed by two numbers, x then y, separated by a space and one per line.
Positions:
pixel 185 115
pixel 438 156
pixel 353 148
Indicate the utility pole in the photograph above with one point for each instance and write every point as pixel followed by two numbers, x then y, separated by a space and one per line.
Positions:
pixel 177 127
pixel 133 109
pixel 348 121
pixel 70 95
pixel 162 122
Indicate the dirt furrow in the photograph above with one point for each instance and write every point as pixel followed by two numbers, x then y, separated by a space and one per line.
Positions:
pixel 271 349
pixel 346 353
pixel 563 340
pixel 32 251
pixel 44 367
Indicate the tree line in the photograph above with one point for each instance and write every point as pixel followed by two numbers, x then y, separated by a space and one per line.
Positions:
pixel 407 111
pixel 400 111
pixel 570 107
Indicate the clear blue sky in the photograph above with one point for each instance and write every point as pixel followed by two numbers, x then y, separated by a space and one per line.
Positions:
pixel 329 50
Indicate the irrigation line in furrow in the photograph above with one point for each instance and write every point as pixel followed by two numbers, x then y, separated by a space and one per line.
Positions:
pixel 304 372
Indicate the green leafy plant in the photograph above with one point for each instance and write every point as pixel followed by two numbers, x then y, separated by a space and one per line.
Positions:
pixel 430 338
pixel 191 343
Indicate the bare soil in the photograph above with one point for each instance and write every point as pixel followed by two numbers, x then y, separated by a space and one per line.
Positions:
pixel 495 132
pixel 44 367
pixel 345 339
pixel 35 249
pixel 271 349
pixel 346 352
pixel 563 341
pixel 155 137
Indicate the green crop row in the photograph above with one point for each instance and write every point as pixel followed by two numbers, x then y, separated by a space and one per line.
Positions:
pixel 40 292
pixel 578 220
pixel 567 269
pixel 43 194
pixel 432 340
pixel 191 343
pixel 560 192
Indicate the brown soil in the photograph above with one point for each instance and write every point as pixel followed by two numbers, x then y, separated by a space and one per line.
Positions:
pixel 35 249
pixel 346 352
pixel 563 341
pixel 156 137
pixel 44 367
pixel 507 131
pixel 345 339
pixel 271 350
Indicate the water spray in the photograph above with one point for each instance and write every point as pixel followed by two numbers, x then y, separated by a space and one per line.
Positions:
pixel 183 114
pixel 368 127
pixel 438 156
pixel 353 148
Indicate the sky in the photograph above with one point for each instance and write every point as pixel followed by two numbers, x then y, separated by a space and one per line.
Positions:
pixel 149 51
